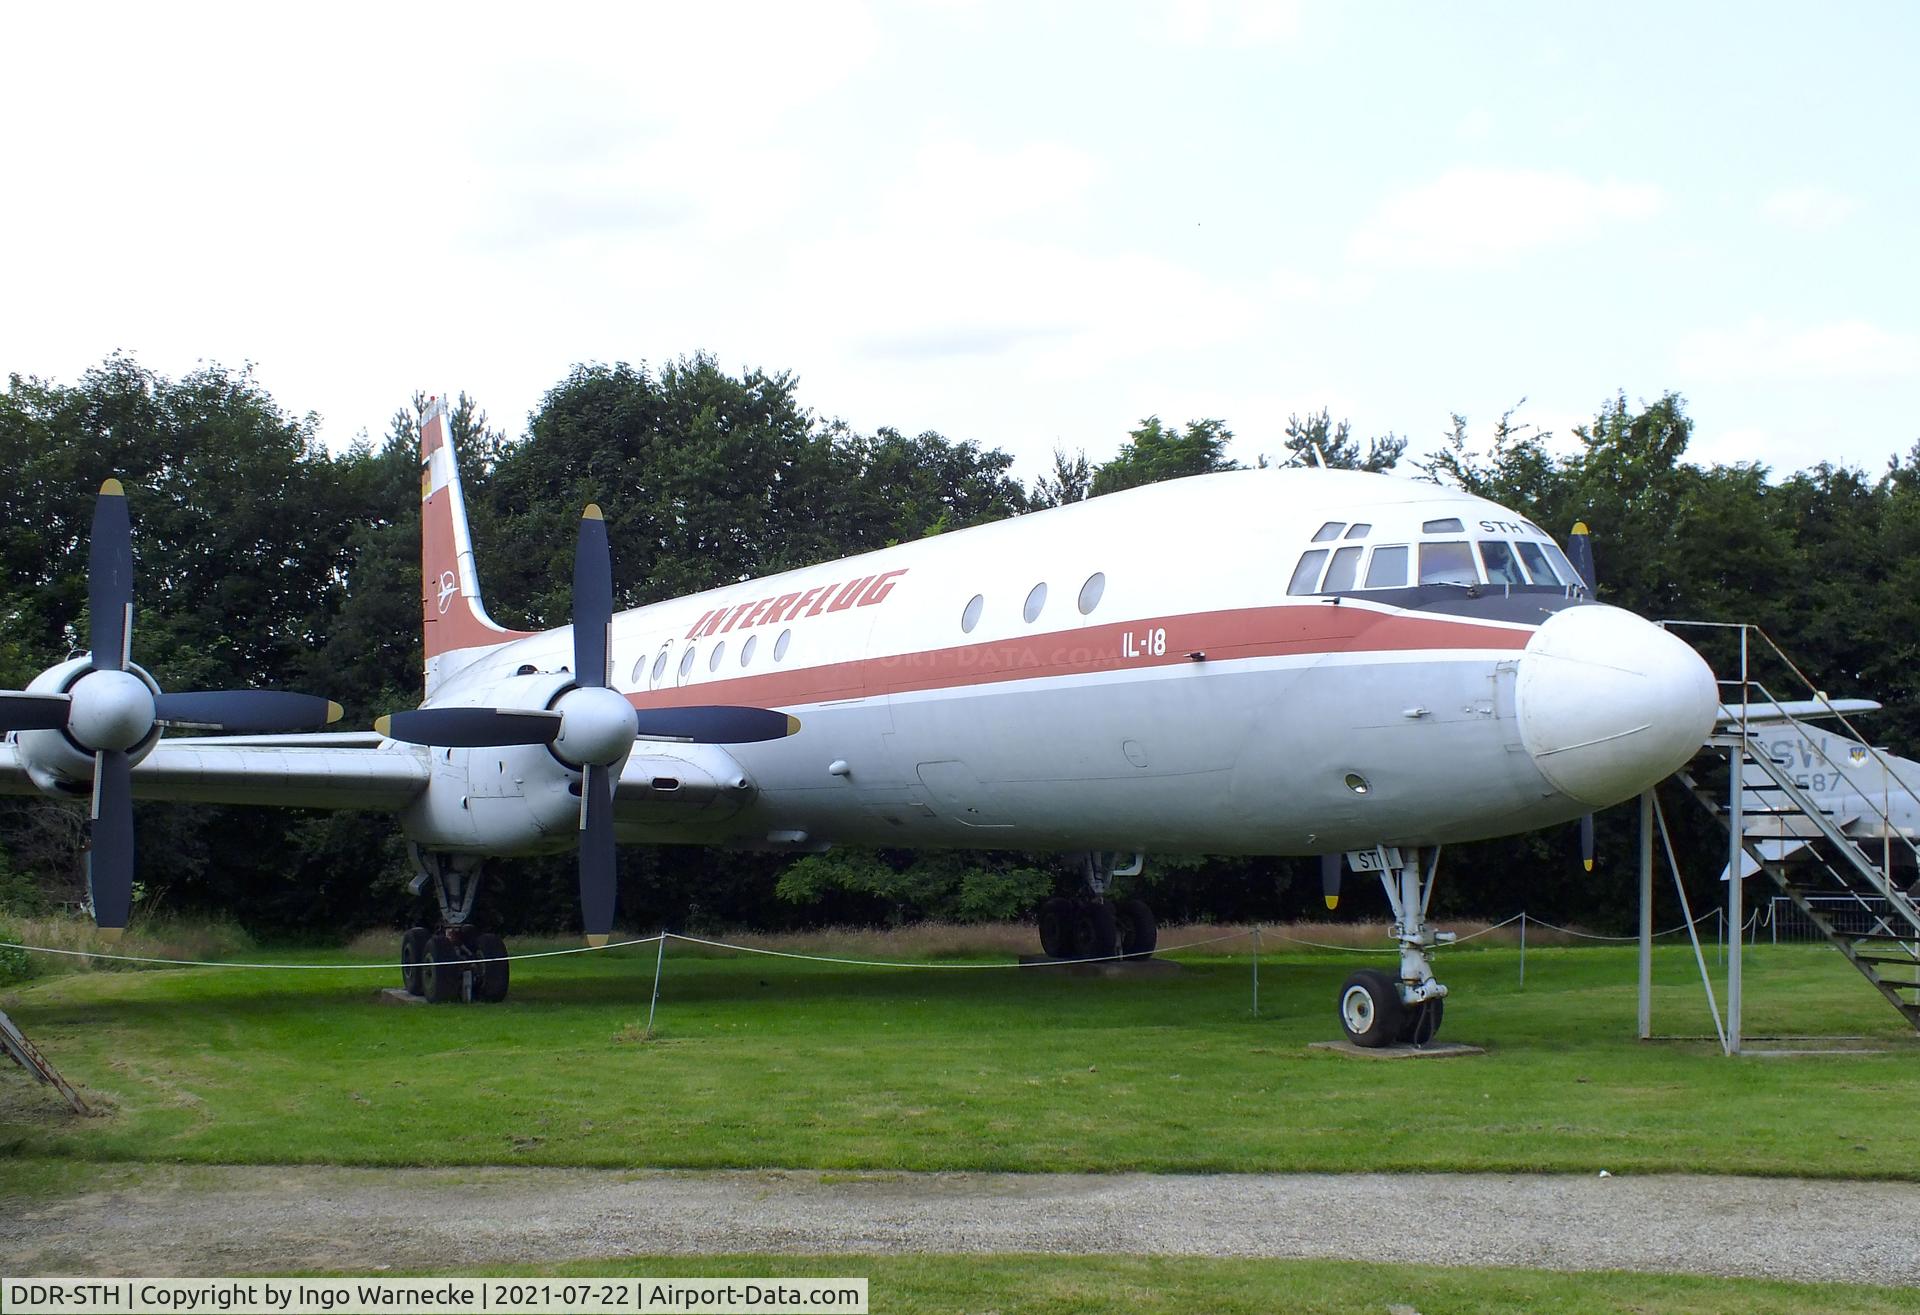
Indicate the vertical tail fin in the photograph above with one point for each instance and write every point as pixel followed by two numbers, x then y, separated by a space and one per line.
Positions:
pixel 456 621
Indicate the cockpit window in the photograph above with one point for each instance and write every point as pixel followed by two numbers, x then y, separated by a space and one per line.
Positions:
pixel 1502 566
pixel 1447 563
pixel 1447 526
pixel 1388 568
pixel 1343 572
pixel 1331 530
pixel 1358 531
pixel 1307 573
pixel 1560 563
pixel 1537 564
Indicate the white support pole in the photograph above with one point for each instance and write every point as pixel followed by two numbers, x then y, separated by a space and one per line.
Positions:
pixel 1736 918
pixel 1646 915
pixel 1523 949
pixel 659 962
pixel 1256 970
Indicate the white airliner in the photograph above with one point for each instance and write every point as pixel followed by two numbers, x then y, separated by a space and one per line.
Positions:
pixel 1284 662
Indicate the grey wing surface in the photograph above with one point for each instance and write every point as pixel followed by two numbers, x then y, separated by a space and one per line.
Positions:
pixel 350 770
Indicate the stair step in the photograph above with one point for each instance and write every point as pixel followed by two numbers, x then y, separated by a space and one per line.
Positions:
pixel 1902 961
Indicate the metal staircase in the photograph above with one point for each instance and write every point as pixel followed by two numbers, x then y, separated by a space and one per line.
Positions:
pixel 1832 852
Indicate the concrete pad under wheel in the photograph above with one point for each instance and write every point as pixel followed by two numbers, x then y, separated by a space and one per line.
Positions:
pixel 1436 1050
pixel 394 995
pixel 1102 968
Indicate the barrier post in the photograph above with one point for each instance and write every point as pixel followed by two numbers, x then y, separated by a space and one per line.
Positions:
pixel 659 961
pixel 1256 970
pixel 1523 949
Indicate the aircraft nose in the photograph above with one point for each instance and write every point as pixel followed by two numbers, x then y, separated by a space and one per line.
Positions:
pixel 1609 703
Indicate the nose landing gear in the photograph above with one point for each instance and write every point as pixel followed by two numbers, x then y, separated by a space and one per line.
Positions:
pixel 1381 1009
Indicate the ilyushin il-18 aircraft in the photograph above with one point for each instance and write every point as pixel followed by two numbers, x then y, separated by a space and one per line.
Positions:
pixel 1278 661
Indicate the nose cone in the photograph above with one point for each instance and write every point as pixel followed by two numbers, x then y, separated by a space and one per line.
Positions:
pixel 1608 703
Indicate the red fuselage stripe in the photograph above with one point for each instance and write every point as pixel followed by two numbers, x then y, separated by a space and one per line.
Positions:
pixel 1260 632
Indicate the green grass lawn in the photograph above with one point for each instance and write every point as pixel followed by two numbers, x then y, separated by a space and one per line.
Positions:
pixel 777 1063
pixel 1141 1285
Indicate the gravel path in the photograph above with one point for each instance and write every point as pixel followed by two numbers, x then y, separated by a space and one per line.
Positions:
pixel 229 1220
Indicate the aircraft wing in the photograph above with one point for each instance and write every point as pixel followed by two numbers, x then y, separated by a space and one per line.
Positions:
pixel 353 770
pixel 1797 710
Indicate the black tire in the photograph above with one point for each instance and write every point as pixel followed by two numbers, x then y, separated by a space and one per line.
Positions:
pixel 1369 1008
pixel 490 979
pixel 441 969
pixel 1421 1024
pixel 1138 931
pixel 1096 932
pixel 1056 928
pixel 413 950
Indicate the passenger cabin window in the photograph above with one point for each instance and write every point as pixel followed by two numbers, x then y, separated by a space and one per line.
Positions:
pixel 1447 563
pixel 1344 570
pixel 1388 567
pixel 1359 531
pixel 1447 526
pixel 1331 530
pixel 1307 573
pixel 1502 566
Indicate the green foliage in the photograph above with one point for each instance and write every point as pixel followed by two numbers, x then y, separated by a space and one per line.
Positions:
pixel 1154 452
pixel 1319 440
pixel 904 887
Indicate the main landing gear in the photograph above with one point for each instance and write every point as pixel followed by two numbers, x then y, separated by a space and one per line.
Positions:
pixel 1379 1008
pixel 455 963
pixel 1092 926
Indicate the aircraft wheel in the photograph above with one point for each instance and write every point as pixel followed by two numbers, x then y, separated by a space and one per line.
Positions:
pixel 1421 1024
pixel 1138 933
pixel 441 970
pixel 413 950
pixel 491 983
pixel 1095 930
pixel 1370 1009
pixel 1056 928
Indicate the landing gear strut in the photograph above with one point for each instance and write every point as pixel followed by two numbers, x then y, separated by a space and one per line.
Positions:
pixel 454 963
pixel 1092 926
pixel 1378 1008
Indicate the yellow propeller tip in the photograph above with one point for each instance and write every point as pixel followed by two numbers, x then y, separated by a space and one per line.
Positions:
pixel 1580 527
pixel 793 724
pixel 1333 901
pixel 383 725
pixel 1587 863
pixel 592 513
pixel 596 939
pixel 111 489
pixel 334 712
pixel 111 935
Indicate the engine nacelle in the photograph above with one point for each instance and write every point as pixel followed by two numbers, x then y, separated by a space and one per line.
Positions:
pixel 58 764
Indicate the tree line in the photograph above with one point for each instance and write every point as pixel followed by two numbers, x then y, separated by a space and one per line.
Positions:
pixel 264 559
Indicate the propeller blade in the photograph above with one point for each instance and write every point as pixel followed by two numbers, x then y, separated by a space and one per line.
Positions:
pixel 471 728
pixel 592 599
pixel 596 854
pixel 110 578
pixel 32 712
pixel 110 850
pixel 1580 553
pixel 714 724
pixel 1331 868
pixel 245 711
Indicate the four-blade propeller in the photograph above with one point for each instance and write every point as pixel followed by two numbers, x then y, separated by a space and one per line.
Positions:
pixel 110 710
pixel 592 726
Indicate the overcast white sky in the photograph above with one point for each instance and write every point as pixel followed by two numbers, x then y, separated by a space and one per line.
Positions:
pixel 1022 224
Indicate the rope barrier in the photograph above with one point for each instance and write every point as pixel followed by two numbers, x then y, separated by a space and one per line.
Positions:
pixel 818 958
